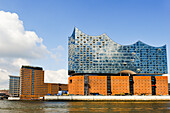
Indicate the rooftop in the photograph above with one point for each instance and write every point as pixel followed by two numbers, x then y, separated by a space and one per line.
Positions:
pixel 31 67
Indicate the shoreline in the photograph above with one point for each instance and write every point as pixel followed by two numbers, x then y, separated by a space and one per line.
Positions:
pixel 106 98
pixel 133 98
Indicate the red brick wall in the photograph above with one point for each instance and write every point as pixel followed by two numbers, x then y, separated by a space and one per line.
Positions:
pixel 119 84
pixel 161 85
pixel 142 85
pixel 76 85
pixel 98 84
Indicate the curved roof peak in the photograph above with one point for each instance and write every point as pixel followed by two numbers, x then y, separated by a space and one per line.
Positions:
pixel 78 30
pixel 139 41
pixel 75 28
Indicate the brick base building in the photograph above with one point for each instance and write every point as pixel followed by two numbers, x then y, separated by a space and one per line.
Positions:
pixel 32 84
pixel 118 85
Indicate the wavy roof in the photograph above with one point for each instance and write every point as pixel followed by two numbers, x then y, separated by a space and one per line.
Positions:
pixel 76 30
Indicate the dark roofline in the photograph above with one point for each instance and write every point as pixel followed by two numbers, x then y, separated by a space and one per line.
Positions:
pixel 13 76
pixel 31 67
pixel 114 74
pixel 93 74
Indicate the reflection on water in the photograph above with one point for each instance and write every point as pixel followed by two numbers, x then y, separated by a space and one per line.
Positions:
pixel 53 107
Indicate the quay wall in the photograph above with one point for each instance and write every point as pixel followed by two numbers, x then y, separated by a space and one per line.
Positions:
pixel 107 98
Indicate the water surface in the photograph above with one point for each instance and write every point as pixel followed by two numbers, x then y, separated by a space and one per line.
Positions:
pixel 76 107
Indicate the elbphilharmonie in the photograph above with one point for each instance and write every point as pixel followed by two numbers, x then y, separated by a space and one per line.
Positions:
pixel 99 66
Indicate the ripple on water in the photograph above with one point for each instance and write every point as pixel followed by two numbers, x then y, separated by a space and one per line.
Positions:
pixel 50 106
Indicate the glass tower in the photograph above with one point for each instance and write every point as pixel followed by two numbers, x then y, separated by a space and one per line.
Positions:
pixel 14 85
pixel 100 54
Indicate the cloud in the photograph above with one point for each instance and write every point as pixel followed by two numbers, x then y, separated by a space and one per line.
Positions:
pixel 17 46
pixel 58 53
pixel 4 78
pixel 19 62
pixel 12 65
pixel 59 48
pixel 20 47
pixel 17 42
pixel 60 76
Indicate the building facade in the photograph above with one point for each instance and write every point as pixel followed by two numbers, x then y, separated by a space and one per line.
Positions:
pixel 120 85
pixel 14 84
pixel 109 68
pixel 99 54
pixel 33 86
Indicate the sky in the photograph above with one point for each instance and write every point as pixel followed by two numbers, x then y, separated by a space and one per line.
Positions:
pixel 35 32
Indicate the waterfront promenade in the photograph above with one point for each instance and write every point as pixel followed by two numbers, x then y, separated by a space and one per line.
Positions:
pixel 107 98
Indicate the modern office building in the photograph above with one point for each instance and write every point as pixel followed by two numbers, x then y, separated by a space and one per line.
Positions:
pixel 14 84
pixel 105 66
pixel 33 86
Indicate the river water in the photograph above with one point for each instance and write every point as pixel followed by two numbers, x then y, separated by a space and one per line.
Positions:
pixel 85 107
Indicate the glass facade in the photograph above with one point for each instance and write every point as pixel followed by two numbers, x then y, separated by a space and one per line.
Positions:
pixel 100 54
pixel 32 84
pixel 14 85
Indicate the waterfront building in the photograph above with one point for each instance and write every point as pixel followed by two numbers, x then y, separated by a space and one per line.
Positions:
pixel 33 86
pixel 105 66
pixel 14 84
pixel 4 91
